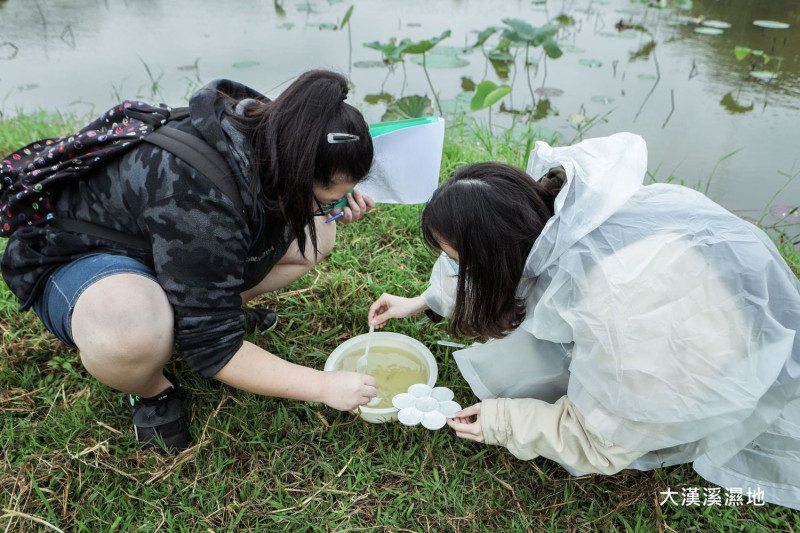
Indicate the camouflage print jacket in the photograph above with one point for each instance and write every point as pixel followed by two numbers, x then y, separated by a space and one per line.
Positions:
pixel 203 252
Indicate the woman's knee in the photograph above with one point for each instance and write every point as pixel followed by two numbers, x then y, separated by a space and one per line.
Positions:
pixel 123 319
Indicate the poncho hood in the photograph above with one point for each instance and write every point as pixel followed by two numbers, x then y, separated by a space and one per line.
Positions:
pixel 618 165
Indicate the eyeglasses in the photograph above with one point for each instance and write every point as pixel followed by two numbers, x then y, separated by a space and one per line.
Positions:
pixel 325 209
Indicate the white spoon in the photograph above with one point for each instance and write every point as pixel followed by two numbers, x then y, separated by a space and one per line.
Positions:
pixel 361 364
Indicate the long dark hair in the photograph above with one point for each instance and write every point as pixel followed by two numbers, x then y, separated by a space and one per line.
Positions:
pixel 491 214
pixel 291 152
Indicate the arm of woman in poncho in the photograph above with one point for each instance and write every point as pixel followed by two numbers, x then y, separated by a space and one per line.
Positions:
pixel 529 428
pixel 437 301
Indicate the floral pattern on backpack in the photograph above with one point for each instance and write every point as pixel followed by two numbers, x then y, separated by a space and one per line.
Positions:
pixel 31 174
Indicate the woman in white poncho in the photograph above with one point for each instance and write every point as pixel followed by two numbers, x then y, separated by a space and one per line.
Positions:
pixel 632 326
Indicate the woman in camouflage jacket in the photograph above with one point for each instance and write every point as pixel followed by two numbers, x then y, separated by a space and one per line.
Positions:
pixel 126 308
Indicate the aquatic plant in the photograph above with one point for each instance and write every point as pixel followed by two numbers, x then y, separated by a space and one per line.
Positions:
pixel 414 106
pixel 520 34
pixel 394 52
pixel 487 93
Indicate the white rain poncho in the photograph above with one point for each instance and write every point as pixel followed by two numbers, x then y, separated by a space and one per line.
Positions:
pixel 678 322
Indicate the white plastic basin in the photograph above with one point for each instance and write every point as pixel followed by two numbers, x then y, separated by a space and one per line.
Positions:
pixel 405 344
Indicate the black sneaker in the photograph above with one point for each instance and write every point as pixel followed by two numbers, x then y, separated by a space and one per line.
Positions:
pixel 259 319
pixel 159 422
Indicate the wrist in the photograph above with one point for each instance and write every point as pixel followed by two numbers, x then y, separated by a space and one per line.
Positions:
pixel 323 387
pixel 419 305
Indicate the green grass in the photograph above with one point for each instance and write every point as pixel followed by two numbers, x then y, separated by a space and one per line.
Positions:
pixel 70 461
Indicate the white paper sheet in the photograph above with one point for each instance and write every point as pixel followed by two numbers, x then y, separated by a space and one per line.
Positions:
pixel 406 166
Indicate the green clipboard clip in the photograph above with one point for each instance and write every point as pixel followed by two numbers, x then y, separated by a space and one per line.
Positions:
pixel 381 128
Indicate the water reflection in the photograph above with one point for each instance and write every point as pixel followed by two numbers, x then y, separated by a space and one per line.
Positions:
pixel 625 66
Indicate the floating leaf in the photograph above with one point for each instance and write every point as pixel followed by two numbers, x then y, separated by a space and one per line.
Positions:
pixel 716 24
pixel 764 75
pixel 620 34
pixel 451 50
pixel 708 31
pixel 733 106
pixel 323 25
pixel 602 99
pixel 467 84
pixel 571 48
pixel 770 24
pixel 786 213
pixel 440 61
pixel 305 7
pixel 456 106
pixel 285 26
pixel 246 64
pixel 646 76
pixel 8 50
pixel 548 92
pixel 414 106
pixel 578 119
pixel 590 62
pixel 369 64
pixel 27 87
pixel 686 5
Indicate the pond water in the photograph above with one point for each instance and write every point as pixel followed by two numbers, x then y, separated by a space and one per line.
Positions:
pixel 626 66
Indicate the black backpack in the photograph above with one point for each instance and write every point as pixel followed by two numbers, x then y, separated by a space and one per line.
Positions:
pixel 29 175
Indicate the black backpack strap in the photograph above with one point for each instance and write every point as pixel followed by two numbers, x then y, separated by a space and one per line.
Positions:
pixel 179 113
pixel 192 150
pixel 95 230
pixel 202 157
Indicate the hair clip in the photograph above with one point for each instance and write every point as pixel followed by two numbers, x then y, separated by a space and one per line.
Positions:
pixel 337 138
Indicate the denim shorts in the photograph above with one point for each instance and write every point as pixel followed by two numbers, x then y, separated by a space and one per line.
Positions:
pixel 57 300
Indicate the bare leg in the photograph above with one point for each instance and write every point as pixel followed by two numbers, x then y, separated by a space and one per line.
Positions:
pixel 123 327
pixel 293 265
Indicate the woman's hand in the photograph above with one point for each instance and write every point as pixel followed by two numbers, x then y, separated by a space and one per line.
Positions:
pixel 391 306
pixel 463 425
pixel 358 205
pixel 347 390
